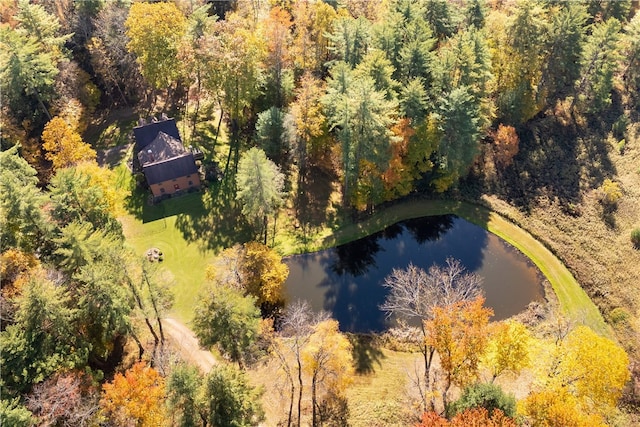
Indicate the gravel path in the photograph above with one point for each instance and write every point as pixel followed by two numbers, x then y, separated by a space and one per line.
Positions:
pixel 188 345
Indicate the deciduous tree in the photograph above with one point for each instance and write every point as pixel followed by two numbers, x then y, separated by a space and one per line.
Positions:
pixel 458 332
pixel 265 273
pixel 313 22
pixel 114 66
pixel 506 144
pixel 327 359
pixel 64 145
pixel 297 325
pixel 414 294
pixel 155 31
pixel 310 122
pixel 479 417
pixel 592 368
pixel 278 61
pixel 65 399
pixel 508 350
pixel 557 408
pixel 137 397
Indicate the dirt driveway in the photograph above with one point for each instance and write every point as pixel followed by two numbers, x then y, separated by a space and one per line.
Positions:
pixel 186 341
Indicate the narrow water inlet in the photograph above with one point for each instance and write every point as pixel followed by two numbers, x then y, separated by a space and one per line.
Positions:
pixel 347 280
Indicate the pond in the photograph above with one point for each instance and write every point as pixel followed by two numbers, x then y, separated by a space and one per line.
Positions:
pixel 347 280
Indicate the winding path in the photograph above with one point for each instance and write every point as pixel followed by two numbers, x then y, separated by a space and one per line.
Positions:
pixel 186 341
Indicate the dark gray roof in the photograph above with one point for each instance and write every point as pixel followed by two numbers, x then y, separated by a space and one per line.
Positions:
pixel 147 133
pixel 163 147
pixel 170 169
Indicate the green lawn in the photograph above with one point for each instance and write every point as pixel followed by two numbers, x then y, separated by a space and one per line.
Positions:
pixel 189 230
pixel 186 260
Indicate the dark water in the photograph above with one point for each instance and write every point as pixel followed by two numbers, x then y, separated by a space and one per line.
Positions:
pixel 346 280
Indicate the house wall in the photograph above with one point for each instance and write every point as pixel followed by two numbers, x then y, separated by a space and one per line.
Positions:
pixel 169 187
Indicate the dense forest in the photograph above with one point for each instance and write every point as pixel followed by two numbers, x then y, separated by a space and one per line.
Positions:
pixel 316 114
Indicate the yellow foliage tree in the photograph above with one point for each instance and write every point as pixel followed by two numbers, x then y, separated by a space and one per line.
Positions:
pixel 508 349
pixel 458 332
pixel 595 369
pixel 105 179
pixel 265 273
pixel 327 359
pixel 253 269
pixel 135 398
pixel 579 383
pixel 155 31
pixel 64 145
pixel 556 408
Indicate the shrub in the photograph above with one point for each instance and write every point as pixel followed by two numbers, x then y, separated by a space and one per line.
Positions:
pixel 610 192
pixel 618 315
pixel 488 396
pixel 635 237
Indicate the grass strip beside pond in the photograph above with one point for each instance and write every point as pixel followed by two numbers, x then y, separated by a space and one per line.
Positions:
pixel 574 301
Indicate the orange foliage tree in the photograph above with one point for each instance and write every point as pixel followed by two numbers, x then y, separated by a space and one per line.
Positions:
pixel 476 417
pixel 135 398
pixel 398 178
pixel 506 144
pixel 459 332
pixel 277 33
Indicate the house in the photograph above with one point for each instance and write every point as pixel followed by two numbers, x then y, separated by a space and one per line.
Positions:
pixel 167 165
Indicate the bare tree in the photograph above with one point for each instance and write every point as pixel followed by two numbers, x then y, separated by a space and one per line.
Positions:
pixel 297 326
pixel 65 400
pixel 413 294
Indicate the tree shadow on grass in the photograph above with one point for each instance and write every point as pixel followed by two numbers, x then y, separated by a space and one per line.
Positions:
pixel 210 218
pixel 217 222
pixel 366 353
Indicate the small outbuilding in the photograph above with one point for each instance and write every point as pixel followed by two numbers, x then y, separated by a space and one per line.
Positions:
pixel 167 165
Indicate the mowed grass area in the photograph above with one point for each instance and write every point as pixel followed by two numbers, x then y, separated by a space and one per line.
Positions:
pixel 185 260
pixel 189 230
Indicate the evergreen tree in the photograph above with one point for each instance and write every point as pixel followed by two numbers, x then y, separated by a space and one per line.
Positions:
pixel 260 184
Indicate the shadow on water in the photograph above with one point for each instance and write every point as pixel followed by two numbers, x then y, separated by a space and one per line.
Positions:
pixel 346 281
